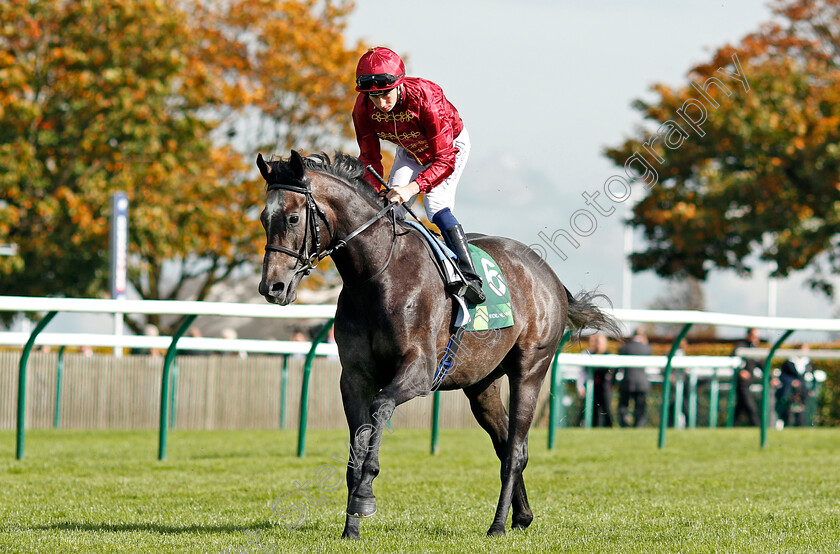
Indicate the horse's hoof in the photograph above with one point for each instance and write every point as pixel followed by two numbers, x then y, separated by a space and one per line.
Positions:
pixel 349 535
pixel 522 522
pixel 361 507
pixel 496 532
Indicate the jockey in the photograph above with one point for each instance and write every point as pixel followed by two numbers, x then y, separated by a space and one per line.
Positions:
pixel 432 145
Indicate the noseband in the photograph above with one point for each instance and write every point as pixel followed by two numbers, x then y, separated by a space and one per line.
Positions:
pixel 309 260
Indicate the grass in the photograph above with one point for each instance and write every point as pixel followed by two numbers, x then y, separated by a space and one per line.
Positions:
pixel 598 491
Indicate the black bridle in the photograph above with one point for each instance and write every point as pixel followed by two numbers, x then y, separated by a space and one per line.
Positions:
pixel 309 260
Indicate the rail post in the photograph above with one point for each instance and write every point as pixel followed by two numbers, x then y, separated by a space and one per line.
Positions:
pixel 173 396
pixel 21 400
pixel 666 384
pixel 304 389
pixel 765 387
pixel 589 398
pixel 714 399
pixel 284 377
pixel 164 385
pixel 554 393
pixel 732 397
pixel 433 448
pixel 59 366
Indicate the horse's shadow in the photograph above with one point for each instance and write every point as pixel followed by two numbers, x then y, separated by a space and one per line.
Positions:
pixel 152 527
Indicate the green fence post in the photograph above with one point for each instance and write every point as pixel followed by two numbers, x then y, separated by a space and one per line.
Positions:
pixel 679 395
pixel 284 376
pixel 304 389
pixel 433 449
pixel 733 391
pixel 21 400
pixel 666 384
pixel 554 393
pixel 714 399
pixel 164 384
pixel 811 401
pixel 692 401
pixel 589 398
pixel 552 402
pixel 173 397
pixel 59 366
pixel 765 386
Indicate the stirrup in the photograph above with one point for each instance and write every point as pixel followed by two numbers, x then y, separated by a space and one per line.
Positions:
pixel 474 294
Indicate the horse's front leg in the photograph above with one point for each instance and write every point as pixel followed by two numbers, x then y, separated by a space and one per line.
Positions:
pixel 412 379
pixel 357 396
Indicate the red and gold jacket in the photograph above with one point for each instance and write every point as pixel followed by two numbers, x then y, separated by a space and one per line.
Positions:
pixel 423 122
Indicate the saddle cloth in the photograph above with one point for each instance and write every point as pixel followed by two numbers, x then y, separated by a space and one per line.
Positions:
pixel 496 312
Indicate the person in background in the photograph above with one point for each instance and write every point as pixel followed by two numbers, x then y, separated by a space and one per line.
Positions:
pixel 744 376
pixel 149 330
pixel 193 332
pixel 602 380
pixel 230 333
pixel 792 389
pixel 635 384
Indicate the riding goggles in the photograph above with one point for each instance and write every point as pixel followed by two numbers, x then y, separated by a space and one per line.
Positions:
pixel 378 81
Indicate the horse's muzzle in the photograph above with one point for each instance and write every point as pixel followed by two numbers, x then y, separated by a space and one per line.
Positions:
pixel 277 293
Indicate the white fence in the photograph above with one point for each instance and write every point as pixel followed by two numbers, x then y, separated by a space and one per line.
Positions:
pixel 720 365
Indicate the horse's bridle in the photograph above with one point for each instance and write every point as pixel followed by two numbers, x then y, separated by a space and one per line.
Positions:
pixel 309 260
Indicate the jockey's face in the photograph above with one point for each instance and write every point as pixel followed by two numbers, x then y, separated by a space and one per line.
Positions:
pixel 386 102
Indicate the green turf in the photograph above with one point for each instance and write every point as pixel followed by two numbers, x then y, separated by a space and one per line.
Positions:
pixel 598 491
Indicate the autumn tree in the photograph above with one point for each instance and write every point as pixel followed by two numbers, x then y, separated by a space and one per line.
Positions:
pixel 168 102
pixel 741 170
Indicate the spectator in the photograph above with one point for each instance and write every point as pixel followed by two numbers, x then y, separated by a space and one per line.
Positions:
pixel 149 330
pixel 230 333
pixel 635 384
pixel 194 332
pixel 299 336
pixel 792 393
pixel 744 401
pixel 601 386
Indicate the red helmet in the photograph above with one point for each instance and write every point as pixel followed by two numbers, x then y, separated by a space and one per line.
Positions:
pixel 378 70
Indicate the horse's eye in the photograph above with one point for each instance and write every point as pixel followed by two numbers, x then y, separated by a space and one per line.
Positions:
pixel 294 219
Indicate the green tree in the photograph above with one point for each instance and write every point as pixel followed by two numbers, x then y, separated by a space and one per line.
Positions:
pixel 148 97
pixel 759 178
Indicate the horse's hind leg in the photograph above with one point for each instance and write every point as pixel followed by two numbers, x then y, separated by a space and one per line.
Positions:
pixel 489 411
pixel 526 376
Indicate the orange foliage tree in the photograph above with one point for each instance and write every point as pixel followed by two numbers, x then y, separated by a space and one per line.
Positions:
pixel 759 177
pixel 168 102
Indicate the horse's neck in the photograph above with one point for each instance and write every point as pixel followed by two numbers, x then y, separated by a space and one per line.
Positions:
pixel 368 252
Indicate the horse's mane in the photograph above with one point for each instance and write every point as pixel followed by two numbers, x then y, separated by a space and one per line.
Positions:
pixel 344 167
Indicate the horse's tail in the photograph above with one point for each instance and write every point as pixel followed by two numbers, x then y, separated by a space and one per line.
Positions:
pixel 585 314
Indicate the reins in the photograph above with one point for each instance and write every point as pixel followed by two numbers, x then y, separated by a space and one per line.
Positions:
pixel 313 214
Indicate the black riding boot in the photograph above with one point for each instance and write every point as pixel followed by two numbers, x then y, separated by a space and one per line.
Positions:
pixel 458 242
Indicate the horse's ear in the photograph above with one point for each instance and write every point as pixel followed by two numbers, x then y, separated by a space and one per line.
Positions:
pixel 264 168
pixel 296 163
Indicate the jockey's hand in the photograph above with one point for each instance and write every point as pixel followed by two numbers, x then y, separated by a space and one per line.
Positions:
pixel 399 195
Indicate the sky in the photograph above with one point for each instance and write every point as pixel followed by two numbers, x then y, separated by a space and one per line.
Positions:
pixel 543 88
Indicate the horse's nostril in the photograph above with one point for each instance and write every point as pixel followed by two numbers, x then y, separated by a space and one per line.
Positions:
pixel 278 287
